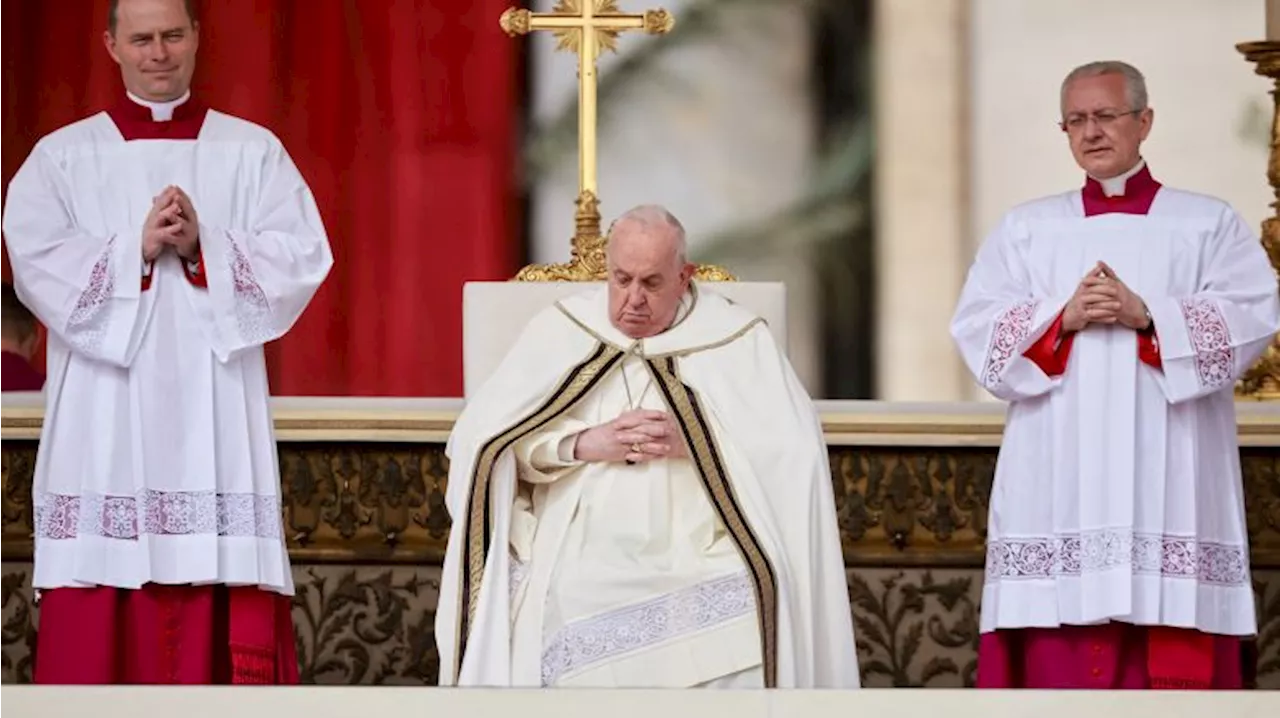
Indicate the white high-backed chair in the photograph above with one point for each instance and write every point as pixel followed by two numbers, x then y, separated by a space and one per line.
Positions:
pixel 494 313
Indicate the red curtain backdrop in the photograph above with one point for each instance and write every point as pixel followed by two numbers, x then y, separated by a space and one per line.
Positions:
pixel 401 114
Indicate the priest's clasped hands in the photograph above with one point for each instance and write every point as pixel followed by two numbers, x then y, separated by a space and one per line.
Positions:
pixel 635 436
pixel 1101 298
pixel 172 222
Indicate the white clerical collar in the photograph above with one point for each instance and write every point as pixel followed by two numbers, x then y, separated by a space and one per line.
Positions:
pixel 161 111
pixel 1114 186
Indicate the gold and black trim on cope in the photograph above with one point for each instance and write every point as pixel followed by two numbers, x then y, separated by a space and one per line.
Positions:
pixel 709 463
pixel 477 531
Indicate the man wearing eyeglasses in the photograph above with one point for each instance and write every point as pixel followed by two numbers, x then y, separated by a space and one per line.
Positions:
pixel 1115 320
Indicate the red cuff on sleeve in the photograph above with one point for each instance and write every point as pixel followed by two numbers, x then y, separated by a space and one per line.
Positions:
pixel 195 272
pixel 1052 350
pixel 147 270
pixel 1149 348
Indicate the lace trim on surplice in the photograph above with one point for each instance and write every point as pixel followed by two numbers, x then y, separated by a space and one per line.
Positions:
pixel 253 313
pixel 699 607
pixel 87 325
pixel 158 513
pixel 1010 331
pixel 1109 549
pixel 1211 341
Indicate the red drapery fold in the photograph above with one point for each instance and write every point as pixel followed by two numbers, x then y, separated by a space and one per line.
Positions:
pixel 400 114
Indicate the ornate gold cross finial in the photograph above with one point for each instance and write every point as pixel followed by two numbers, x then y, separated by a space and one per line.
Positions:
pixel 588 28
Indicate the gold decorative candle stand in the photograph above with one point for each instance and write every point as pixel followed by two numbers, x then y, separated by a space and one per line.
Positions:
pixel 1262 382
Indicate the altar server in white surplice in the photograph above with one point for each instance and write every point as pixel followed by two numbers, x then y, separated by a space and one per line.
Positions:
pixel 162 243
pixel 1115 321
pixel 641 497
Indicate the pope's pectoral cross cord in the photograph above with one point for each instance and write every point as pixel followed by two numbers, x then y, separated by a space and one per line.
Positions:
pixel 632 402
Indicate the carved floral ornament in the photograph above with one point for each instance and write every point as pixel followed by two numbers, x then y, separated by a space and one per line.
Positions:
pixel 1262 381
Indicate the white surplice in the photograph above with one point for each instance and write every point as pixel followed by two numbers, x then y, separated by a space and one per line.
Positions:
pixel 1118 493
pixel 616 575
pixel 157 460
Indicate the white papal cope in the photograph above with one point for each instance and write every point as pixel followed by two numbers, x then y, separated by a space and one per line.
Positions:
pixel 1118 492
pixel 724 568
pixel 157 461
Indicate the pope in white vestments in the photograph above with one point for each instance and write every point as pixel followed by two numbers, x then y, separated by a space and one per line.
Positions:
pixel 1115 320
pixel 641 497
pixel 163 243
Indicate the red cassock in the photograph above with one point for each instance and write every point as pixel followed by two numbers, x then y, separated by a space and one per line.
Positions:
pixel 17 374
pixel 165 634
pixel 1113 655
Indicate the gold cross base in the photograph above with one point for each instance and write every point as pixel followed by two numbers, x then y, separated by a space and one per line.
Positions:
pixel 1262 381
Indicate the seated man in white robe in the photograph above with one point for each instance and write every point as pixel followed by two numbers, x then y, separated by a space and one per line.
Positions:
pixel 162 243
pixel 1115 320
pixel 641 497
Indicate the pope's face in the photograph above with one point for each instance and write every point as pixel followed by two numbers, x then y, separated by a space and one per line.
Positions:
pixel 155 45
pixel 647 279
pixel 1103 130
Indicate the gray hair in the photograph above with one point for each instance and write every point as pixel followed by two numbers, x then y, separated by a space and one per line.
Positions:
pixel 653 216
pixel 1135 85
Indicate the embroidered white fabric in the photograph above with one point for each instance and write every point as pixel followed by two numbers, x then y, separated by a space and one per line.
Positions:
pixel 1010 331
pixel 253 313
pixel 157 513
pixel 86 327
pixel 1211 340
pixel 1096 551
pixel 701 606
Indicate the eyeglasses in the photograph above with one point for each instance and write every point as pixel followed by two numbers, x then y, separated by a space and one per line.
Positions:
pixel 1075 123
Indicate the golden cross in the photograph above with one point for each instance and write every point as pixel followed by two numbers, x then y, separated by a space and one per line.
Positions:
pixel 587 27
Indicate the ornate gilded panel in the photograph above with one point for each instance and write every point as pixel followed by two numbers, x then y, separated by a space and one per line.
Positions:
pixel 366 625
pixel 912 506
pixel 383 503
pixel 365 502
pixel 17 465
pixel 17 624
pixel 367 530
pixel 916 627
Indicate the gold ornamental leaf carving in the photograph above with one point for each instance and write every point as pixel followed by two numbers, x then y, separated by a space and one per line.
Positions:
pixel 1262 381
pixel 658 22
pixel 515 21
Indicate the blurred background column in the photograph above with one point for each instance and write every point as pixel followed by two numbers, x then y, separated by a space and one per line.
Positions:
pixel 921 196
